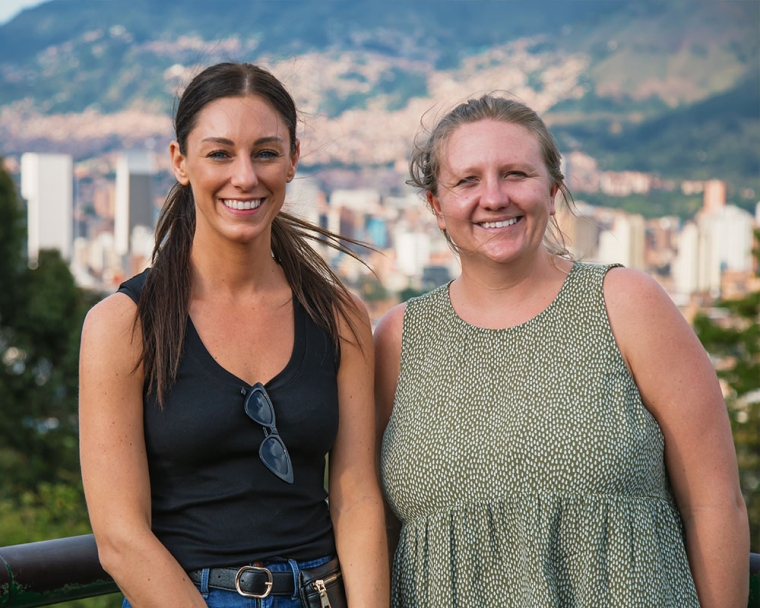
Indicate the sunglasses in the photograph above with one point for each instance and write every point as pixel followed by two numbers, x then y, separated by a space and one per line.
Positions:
pixel 272 452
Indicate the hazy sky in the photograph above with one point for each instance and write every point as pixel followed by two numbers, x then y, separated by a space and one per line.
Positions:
pixel 11 8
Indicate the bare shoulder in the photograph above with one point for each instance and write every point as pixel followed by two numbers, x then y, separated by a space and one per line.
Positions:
pixel 110 333
pixel 626 288
pixel 389 329
pixel 658 345
pixel 112 309
pixel 359 309
pixel 355 323
pixel 387 363
pixel 637 303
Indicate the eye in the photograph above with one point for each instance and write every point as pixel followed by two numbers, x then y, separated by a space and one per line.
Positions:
pixel 218 154
pixel 466 180
pixel 267 154
pixel 515 175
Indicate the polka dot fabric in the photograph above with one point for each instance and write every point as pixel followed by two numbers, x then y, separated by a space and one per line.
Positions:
pixel 524 467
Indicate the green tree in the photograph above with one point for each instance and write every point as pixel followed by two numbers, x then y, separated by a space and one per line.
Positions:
pixel 12 234
pixel 734 343
pixel 41 314
pixel 39 348
pixel 371 289
pixel 409 293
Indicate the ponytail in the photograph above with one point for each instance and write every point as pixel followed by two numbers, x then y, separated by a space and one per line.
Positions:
pixel 165 299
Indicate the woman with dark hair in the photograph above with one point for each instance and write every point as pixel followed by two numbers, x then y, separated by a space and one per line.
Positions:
pixel 556 435
pixel 214 384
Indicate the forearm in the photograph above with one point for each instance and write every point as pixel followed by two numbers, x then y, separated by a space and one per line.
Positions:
pixel 146 572
pixel 717 544
pixel 362 548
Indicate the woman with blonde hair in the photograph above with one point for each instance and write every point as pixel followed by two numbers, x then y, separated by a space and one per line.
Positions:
pixel 556 435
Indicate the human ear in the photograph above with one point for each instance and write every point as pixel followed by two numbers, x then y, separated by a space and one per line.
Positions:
pixel 435 205
pixel 552 204
pixel 178 164
pixel 294 161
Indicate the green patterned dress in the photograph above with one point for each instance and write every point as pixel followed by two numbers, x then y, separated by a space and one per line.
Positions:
pixel 523 466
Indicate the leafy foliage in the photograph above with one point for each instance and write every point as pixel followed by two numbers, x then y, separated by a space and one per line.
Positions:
pixel 12 232
pixel 718 137
pixel 38 377
pixel 654 204
pixel 41 314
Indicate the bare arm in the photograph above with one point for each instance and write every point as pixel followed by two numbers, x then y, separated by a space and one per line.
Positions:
pixel 679 387
pixel 387 366
pixel 114 462
pixel 356 504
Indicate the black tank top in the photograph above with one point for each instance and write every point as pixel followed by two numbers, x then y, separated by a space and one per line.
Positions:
pixel 213 501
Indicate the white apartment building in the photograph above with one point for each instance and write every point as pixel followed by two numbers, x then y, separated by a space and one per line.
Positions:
pixel 725 243
pixel 47 184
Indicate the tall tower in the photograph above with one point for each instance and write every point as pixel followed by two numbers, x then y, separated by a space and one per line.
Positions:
pixel 685 268
pixel 47 184
pixel 714 196
pixel 134 199
pixel 725 244
pixel 624 243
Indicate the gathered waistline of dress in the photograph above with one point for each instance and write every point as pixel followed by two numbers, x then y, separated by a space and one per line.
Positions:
pixel 563 500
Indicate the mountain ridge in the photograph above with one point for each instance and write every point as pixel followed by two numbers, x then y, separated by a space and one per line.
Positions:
pixel 608 69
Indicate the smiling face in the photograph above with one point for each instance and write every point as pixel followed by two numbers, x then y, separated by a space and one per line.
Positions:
pixel 238 159
pixel 494 195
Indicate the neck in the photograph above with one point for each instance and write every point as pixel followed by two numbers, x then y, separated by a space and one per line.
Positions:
pixel 233 268
pixel 502 295
pixel 489 277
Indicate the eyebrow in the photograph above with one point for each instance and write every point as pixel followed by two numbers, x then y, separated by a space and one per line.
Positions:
pixel 228 142
pixel 469 169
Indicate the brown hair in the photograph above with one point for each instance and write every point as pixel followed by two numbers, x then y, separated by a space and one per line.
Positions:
pixel 165 299
pixel 425 163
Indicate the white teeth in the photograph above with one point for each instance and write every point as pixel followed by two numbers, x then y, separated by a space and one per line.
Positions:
pixel 500 224
pixel 242 205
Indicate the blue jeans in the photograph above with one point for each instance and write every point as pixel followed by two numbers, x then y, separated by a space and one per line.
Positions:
pixel 220 598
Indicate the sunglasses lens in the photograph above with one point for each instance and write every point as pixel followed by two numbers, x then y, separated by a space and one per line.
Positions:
pixel 275 457
pixel 272 451
pixel 258 407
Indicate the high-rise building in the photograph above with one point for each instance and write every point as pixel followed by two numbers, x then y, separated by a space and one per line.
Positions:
pixel 581 230
pixel 625 242
pixel 134 199
pixel 714 196
pixel 685 269
pixel 725 243
pixel 412 252
pixel 47 184
pixel 718 242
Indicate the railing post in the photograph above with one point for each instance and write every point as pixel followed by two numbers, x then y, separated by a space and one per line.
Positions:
pixel 52 571
pixel 754 580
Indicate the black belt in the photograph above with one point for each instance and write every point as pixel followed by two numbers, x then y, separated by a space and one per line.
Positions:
pixel 250 581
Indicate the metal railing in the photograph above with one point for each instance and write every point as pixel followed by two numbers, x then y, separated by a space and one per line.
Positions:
pixel 54 571
pixel 51 572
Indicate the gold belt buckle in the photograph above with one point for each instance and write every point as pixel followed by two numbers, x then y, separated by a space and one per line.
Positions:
pixel 269 584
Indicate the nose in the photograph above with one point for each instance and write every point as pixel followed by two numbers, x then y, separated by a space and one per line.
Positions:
pixel 493 194
pixel 244 173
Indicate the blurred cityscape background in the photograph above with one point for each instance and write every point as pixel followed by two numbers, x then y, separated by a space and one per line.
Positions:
pixel 655 105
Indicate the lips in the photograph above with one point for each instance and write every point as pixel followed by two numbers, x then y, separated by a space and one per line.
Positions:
pixel 499 224
pixel 242 205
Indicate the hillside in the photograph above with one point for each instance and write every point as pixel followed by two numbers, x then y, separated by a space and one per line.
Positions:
pixel 718 136
pixel 621 80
